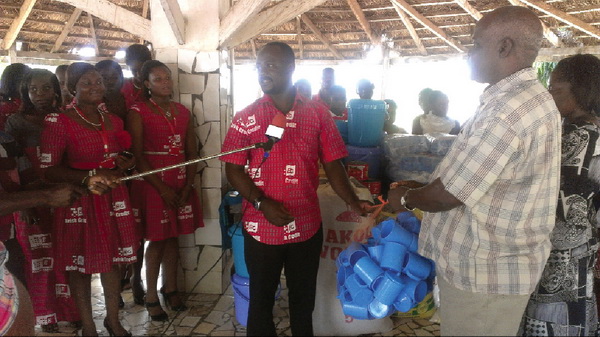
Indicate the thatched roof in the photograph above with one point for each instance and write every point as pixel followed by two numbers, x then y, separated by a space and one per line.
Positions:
pixel 316 29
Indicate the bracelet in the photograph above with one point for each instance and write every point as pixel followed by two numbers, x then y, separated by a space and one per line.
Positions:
pixel 403 202
pixel 90 174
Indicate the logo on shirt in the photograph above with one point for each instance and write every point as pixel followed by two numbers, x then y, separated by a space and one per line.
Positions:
pixel 254 173
pixel 289 228
pixel 40 241
pixel 42 264
pixel 252 227
pixel 126 251
pixel 46 158
pixel 119 205
pixel 290 171
pixel 76 212
pixel 62 290
pixel 290 115
pixel 251 121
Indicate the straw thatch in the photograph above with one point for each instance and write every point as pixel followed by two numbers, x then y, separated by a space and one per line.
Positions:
pixel 330 31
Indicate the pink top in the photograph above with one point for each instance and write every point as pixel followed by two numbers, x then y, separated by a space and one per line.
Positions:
pixel 290 175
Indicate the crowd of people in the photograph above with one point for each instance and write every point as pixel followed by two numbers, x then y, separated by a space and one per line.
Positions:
pixel 87 127
pixel 510 212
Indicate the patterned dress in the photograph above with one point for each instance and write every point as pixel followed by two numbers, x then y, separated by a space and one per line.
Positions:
pixel 97 231
pixel 48 287
pixel 159 221
pixel 564 303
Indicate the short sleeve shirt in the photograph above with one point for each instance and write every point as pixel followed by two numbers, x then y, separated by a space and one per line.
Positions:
pixel 504 166
pixel 290 174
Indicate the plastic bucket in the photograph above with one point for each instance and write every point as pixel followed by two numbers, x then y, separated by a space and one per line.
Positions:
pixel 343 129
pixel 241 295
pixel 365 122
pixel 237 244
pixel 370 155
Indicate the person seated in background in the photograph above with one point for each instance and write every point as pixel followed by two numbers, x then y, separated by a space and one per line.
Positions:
pixel 337 103
pixel 435 119
pixel 327 81
pixel 388 124
pixel 303 87
pixel 365 88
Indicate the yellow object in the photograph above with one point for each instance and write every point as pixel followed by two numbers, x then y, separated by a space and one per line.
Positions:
pixel 425 309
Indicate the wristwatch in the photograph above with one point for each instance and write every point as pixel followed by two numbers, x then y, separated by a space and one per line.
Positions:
pixel 403 202
pixel 257 202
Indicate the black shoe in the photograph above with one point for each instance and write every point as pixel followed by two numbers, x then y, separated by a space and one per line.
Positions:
pixel 111 332
pixel 158 318
pixel 167 297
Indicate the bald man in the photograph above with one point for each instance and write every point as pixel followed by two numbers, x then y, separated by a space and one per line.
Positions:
pixel 491 202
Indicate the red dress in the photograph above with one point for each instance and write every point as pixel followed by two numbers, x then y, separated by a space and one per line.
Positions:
pixel 132 94
pixel 48 287
pixel 97 231
pixel 159 221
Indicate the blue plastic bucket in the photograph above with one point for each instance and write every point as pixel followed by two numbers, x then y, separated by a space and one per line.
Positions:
pixel 365 122
pixel 237 244
pixel 370 155
pixel 241 295
pixel 343 129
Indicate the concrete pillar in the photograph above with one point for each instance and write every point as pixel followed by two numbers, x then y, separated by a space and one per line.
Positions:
pixel 202 75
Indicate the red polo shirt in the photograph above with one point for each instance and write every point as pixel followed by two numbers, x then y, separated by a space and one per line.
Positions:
pixel 290 175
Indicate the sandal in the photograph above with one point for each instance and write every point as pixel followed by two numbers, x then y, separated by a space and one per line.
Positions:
pixel 138 294
pixel 50 328
pixel 168 296
pixel 159 317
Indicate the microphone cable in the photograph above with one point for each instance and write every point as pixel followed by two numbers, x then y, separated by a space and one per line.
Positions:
pixel 171 321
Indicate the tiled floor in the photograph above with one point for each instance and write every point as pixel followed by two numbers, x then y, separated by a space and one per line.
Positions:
pixel 214 315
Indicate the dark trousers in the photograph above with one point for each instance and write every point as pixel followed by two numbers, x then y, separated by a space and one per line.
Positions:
pixel 265 263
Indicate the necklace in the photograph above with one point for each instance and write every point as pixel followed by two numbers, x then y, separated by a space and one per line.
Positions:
pixel 96 125
pixel 166 113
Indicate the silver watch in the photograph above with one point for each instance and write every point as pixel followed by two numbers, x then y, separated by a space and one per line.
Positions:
pixel 403 202
pixel 257 202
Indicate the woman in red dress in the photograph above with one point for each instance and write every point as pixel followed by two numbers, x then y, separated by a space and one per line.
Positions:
pixel 47 286
pixel 165 203
pixel 83 145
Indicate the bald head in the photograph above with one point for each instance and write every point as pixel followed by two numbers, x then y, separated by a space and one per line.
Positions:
pixel 509 38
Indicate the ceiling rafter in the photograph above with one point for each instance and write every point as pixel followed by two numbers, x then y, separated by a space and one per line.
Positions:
pixel 63 35
pixel 115 15
pixel 362 20
pixel 299 37
pixel 469 9
pixel 271 17
pixel 411 29
pixel 321 37
pixel 548 33
pixel 145 7
pixel 564 17
pixel 238 16
pixel 428 24
pixel 174 18
pixel 93 33
pixel 17 24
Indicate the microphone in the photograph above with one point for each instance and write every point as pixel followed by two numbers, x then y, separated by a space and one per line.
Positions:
pixel 274 132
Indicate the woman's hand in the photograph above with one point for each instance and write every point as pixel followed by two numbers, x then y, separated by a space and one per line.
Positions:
pixel 125 161
pixel 169 196
pixel 184 194
pixel 103 181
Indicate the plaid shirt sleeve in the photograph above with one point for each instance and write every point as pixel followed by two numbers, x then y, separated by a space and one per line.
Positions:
pixel 472 168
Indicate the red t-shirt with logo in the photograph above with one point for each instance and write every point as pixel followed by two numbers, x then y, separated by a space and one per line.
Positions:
pixel 290 174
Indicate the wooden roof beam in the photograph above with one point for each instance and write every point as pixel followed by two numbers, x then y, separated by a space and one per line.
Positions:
pixel 428 24
pixel 411 29
pixel 115 15
pixel 93 33
pixel 272 17
pixel 17 24
pixel 564 17
pixel 469 9
pixel 145 7
pixel 63 35
pixel 239 15
pixel 175 19
pixel 321 37
pixel 299 37
pixel 362 20
pixel 548 33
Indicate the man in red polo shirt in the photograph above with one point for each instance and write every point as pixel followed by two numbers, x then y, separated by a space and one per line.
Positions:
pixel 281 216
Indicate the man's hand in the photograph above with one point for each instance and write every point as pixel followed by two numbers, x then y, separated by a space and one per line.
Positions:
pixel 275 212
pixel 394 196
pixel 362 207
pixel 62 195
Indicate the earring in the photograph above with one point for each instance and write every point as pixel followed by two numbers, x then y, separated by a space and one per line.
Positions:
pixel 149 92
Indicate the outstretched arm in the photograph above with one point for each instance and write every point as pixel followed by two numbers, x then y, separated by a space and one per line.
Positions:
pixel 341 185
pixel 59 195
